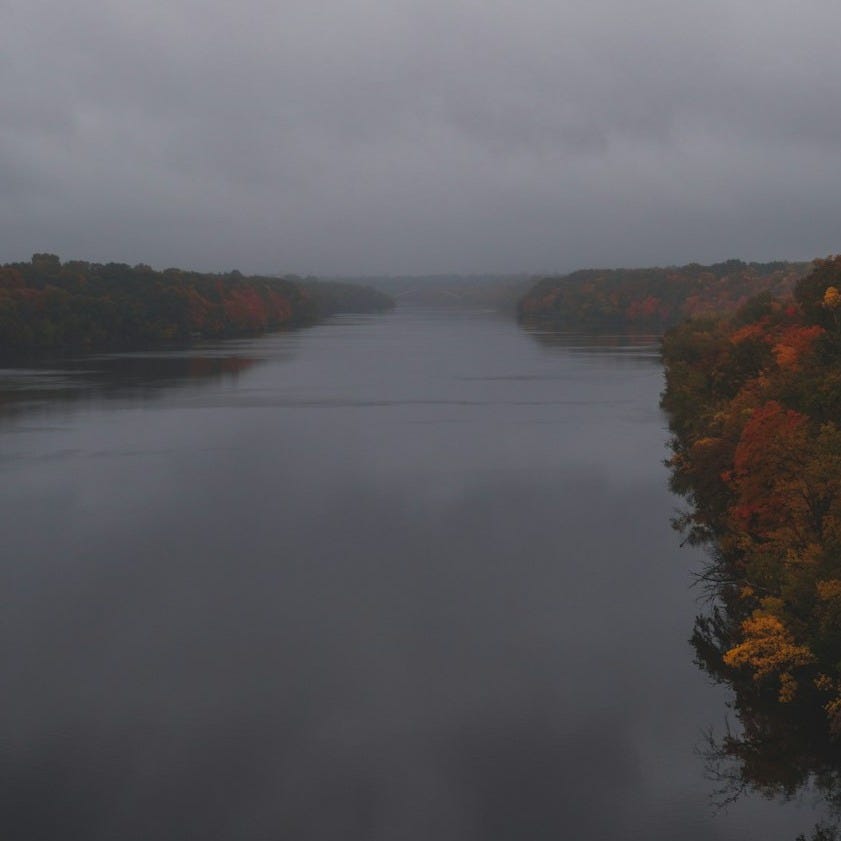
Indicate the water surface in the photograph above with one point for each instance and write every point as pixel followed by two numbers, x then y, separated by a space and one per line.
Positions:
pixel 400 577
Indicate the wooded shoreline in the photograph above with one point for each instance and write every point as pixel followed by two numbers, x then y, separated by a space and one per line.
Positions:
pixel 47 305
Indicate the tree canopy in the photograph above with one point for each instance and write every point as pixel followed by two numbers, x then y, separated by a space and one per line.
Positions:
pixel 46 304
pixel 651 300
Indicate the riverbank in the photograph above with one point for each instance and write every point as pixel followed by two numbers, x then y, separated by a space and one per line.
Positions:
pixel 47 305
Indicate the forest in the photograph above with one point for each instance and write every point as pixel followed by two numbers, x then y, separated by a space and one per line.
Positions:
pixel 49 305
pixel 652 300
pixel 754 401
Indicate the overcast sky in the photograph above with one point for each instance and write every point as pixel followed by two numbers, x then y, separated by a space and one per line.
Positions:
pixel 420 136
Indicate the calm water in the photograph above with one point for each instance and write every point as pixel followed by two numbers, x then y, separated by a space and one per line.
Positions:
pixel 401 577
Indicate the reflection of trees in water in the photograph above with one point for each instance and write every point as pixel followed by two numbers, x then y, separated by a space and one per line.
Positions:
pixel 779 751
pixel 640 346
pixel 48 386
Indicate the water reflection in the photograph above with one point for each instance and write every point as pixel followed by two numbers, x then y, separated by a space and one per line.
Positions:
pixel 640 346
pixel 779 751
pixel 49 385
pixel 412 578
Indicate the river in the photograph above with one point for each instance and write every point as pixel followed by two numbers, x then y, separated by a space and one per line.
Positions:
pixel 398 577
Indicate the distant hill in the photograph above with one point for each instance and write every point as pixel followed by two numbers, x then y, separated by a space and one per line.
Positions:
pixel 499 292
pixel 653 299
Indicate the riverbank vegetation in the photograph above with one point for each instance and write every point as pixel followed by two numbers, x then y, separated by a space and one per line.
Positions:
pixel 49 305
pixel 652 300
pixel 754 401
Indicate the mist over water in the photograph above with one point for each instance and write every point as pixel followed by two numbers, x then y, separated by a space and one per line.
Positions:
pixel 399 577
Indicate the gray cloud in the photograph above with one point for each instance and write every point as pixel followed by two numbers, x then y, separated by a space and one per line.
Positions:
pixel 419 136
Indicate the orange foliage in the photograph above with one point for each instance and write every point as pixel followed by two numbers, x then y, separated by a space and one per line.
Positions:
pixel 794 343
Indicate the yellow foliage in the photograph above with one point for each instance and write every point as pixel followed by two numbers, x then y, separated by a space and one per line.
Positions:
pixel 701 443
pixel 772 605
pixel 769 649
pixel 788 687
pixel 824 683
pixel 832 298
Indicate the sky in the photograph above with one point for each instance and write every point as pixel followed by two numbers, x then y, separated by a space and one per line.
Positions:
pixel 420 136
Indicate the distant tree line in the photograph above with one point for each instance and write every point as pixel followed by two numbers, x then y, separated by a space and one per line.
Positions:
pixel 499 292
pixel 652 300
pixel 332 297
pixel 49 305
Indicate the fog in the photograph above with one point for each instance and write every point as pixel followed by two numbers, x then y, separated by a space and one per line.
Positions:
pixel 419 137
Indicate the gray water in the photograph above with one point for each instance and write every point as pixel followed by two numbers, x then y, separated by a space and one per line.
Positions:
pixel 400 577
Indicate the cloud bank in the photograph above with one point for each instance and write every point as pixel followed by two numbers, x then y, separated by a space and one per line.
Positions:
pixel 420 136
